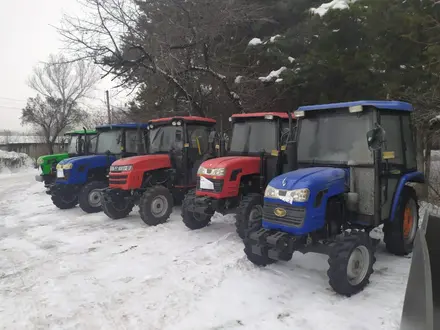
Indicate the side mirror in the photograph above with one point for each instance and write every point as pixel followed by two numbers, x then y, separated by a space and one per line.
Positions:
pixel 375 137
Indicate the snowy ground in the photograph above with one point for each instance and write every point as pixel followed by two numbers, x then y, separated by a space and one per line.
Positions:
pixel 69 270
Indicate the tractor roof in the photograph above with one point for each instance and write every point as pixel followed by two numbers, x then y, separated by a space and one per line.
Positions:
pixel 382 105
pixel 129 125
pixel 81 132
pixel 283 115
pixel 185 119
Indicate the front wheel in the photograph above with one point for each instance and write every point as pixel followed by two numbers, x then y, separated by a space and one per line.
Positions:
pixel 116 208
pixel 64 202
pixel 193 220
pixel 90 196
pixel 156 205
pixel 400 232
pixel 250 214
pixel 351 262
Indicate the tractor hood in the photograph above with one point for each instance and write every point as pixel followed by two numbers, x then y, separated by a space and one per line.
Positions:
pixel 92 161
pixel 233 161
pixel 49 158
pixel 145 162
pixel 308 177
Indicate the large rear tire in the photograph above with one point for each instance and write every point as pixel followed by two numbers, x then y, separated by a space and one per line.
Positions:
pixel 156 205
pixel 351 262
pixel 400 233
pixel 191 219
pixel 90 196
pixel 64 202
pixel 249 215
pixel 117 209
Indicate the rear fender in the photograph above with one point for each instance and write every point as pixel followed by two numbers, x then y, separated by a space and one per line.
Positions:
pixel 407 178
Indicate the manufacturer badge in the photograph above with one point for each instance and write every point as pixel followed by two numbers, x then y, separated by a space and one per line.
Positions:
pixel 279 212
pixel 284 182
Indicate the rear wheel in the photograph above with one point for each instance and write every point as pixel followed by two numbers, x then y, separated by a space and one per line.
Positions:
pixel 401 231
pixel 90 196
pixel 351 262
pixel 193 220
pixel 250 214
pixel 64 202
pixel 117 208
pixel 156 205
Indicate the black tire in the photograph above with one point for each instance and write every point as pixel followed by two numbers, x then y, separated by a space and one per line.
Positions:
pixel 64 202
pixel 249 214
pixel 161 196
pixel 339 260
pixel 117 209
pixel 191 220
pixel 90 199
pixel 256 259
pixel 396 240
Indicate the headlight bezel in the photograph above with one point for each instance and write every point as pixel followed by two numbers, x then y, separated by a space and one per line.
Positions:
pixel 220 171
pixel 300 195
pixel 67 166
pixel 40 161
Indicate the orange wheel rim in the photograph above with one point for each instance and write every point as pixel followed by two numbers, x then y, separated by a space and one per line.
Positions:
pixel 407 222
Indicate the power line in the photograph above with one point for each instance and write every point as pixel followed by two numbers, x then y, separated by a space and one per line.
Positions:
pixel 11 99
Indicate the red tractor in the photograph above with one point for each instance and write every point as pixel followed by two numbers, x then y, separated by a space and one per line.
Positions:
pixel 257 153
pixel 175 148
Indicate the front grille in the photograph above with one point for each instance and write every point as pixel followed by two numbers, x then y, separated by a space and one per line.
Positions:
pixel 294 215
pixel 117 178
pixel 218 185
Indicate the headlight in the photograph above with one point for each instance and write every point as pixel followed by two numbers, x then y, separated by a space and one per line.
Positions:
pixel 211 171
pixel 40 161
pixel 296 195
pixel 68 166
pixel 59 166
pixel 121 168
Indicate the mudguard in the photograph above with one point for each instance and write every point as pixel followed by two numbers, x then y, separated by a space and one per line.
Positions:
pixel 421 307
pixel 81 166
pixel 409 177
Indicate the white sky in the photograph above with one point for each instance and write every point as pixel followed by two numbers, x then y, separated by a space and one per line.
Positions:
pixel 27 37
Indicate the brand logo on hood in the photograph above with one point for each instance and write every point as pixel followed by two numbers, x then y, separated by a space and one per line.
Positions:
pixel 279 212
pixel 284 182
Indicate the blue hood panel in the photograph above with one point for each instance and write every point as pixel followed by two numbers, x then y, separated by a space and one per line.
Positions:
pixel 307 177
pixel 322 182
pixel 81 166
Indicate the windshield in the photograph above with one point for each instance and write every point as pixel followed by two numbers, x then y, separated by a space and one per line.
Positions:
pixel 335 137
pixel 254 136
pixel 164 138
pixel 71 148
pixel 109 141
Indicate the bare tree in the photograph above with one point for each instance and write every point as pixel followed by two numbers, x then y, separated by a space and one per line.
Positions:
pixel 173 40
pixel 60 85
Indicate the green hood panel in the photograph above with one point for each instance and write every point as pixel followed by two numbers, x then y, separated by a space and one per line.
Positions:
pixel 46 162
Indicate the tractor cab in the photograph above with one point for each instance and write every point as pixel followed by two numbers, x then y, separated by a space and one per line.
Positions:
pixel 356 167
pixel 256 153
pixel 175 149
pixel 78 144
pixel 79 179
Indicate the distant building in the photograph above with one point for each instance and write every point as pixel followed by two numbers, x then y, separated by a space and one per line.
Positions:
pixel 32 145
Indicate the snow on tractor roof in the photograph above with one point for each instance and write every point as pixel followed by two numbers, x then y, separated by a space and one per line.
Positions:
pixel 129 125
pixel 385 105
pixel 184 118
pixel 283 115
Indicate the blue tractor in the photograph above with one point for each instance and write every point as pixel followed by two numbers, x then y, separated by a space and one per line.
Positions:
pixel 81 179
pixel 355 170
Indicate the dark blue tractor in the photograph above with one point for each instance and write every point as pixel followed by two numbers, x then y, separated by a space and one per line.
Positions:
pixel 355 170
pixel 81 179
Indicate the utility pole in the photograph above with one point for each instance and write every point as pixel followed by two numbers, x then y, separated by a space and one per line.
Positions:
pixel 108 107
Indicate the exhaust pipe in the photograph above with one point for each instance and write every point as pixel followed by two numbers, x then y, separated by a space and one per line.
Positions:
pixel 421 307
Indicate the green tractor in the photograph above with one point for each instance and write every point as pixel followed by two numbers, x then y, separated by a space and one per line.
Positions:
pixel 79 143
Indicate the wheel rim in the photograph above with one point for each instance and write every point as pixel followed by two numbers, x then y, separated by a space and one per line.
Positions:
pixel 159 206
pixel 358 265
pixel 255 216
pixel 409 221
pixel 95 198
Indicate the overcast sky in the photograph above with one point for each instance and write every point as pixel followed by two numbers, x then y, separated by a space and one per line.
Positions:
pixel 27 37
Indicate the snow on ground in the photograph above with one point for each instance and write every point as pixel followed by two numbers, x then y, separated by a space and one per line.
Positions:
pixel 11 161
pixel 70 270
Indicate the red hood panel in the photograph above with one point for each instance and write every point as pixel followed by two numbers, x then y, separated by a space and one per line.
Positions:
pixel 233 161
pixel 145 162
